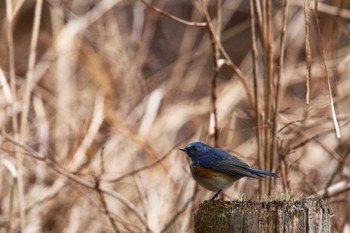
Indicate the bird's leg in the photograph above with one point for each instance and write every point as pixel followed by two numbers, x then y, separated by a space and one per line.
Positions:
pixel 216 194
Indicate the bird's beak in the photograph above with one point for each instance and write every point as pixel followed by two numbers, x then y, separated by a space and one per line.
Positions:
pixel 183 149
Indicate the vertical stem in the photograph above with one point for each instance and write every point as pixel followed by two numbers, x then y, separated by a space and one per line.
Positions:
pixel 332 104
pixel 256 87
pixel 214 97
pixel 19 183
pixel 278 82
pixel 9 33
pixel 268 93
pixel 26 104
pixel 216 55
pixel 31 64
pixel 307 49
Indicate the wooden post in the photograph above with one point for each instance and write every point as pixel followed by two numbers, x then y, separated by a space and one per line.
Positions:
pixel 305 215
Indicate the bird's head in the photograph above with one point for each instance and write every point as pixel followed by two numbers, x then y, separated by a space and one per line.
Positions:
pixel 196 150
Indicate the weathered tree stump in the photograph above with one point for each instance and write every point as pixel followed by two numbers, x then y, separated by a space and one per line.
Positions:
pixel 305 215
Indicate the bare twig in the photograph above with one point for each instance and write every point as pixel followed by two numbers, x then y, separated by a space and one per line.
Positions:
pixel 229 62
pixel 113 117
pixel 269 88
pixel 256 86
pixel 78 180
pixel 31 64
pixel 213 125
pixel 179 212
pixel 307 49
pixel 276 109
pixel 327 9
pixel 177 19
pixel 334 190
pixel 11 55
pixel 334 114
pixel 308 139
pixel 336 172
pixel 26 105
pixel 135 171
pixel 97 119
pixel 104 206
pixel 101 195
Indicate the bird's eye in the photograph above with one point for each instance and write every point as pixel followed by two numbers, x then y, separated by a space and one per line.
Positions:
pixel 194 148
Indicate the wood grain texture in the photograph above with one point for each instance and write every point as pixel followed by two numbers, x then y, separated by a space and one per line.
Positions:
pixel 305 215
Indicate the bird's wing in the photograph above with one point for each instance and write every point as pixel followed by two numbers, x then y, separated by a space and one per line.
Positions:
pixel 222 161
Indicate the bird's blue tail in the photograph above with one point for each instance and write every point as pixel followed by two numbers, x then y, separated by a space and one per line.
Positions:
pixel 262 173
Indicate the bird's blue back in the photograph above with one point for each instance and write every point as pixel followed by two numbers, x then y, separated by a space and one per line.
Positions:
pixel 221 161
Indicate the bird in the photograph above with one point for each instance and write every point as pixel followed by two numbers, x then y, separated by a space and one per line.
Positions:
pixel 216 169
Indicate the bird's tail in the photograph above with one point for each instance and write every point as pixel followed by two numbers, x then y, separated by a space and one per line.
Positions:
pixel 262 173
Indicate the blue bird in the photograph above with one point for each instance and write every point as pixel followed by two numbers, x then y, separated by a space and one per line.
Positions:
pixel 216 169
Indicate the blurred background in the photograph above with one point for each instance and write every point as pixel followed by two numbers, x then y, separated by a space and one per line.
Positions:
pixel 97 97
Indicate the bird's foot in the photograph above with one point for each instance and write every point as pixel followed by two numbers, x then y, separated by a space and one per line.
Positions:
pixel 216 195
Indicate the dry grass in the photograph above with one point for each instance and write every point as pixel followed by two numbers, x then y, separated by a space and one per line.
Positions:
pixel 97 96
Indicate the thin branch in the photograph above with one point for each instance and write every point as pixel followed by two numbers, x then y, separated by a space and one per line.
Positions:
pixel 180 211
pixel 78 180
pixel 268 88
pixel 177 19
pixel 229 62
pixel 256 86
pixel 313 138
pixel 213 124
pixel 94 127
pixel 334 114
pixel 14 121
pixel 31 64
pixel 11 58
pixel 101 195
pixel 276 110
pixel 334 190
pixel 327 9
pixel 127 203
pixel 104 205
pixel 307 49
pixel 336 171
pixel 134 172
